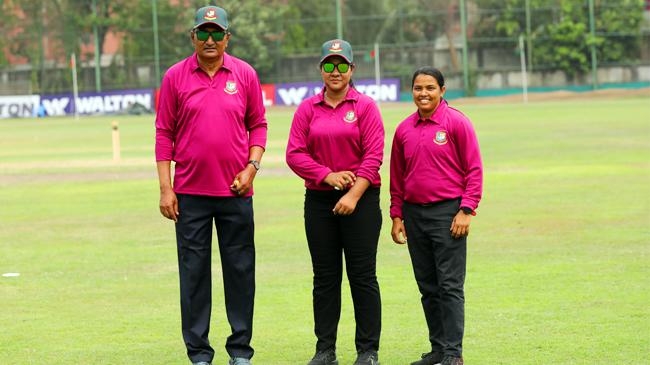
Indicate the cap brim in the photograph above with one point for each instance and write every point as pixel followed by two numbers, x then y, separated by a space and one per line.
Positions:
pixel 209 23
pixel 335 55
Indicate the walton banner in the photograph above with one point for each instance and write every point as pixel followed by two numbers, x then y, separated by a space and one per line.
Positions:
pixel 121 101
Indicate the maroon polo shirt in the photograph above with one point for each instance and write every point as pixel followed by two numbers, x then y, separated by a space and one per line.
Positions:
pixel 435 159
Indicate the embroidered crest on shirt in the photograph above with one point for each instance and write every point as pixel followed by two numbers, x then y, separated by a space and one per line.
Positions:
pixel 350 117
pixel 441 138
pixel 231 87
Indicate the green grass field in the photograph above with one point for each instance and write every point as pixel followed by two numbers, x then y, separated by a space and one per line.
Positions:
pixel 558 258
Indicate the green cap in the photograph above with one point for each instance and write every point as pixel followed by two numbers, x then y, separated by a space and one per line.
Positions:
pixel 336 47
pixel 211 15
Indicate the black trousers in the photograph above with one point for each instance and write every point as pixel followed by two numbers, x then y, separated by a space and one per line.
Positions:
pixel 356 236
pixel 439 263
pixel 233 219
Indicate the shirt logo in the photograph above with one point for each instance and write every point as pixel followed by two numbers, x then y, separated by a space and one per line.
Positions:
pixel 231 87
pixel 441 138
pixel 350 117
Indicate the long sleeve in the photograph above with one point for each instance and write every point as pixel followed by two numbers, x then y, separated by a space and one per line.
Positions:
pixel 166 117
pixel 255 119
pixel 471 163
pixel 298 156
pixel 397 173
pixel 372 141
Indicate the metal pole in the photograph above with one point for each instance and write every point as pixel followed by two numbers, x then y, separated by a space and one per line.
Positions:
pixel 400 27
pixel 156 49
pixel 524 76
pixel 529 40
pixel 463 30
pixel 594 61
pixel 75 88
pixel 41 51
pixel 98 77
pixel 377 73
pixel 339 20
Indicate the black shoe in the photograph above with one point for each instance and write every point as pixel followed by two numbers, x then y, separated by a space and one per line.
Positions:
pixel 325 357
pixel 452 360
pixel 369 357
pixel 430 358
pixel 239 361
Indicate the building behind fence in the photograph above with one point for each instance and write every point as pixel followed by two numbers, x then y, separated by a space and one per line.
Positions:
pixel 463 44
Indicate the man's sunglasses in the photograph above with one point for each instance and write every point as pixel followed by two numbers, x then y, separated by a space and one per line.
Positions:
pixel 203 35
pixel 342 67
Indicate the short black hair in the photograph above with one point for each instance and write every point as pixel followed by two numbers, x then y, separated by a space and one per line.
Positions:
pixel 431 71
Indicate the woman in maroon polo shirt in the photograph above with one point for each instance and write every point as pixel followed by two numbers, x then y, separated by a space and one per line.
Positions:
pixel 336 144
pixel 436 182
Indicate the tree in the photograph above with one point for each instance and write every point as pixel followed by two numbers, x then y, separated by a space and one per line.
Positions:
pixel 64 25
pixel 566 43
pixel 86 23
pixel 308 24
pixel 135 24
pixel 560 31
pixel 27 42
pixel 622 19
pixel 255 25
pixel 7 25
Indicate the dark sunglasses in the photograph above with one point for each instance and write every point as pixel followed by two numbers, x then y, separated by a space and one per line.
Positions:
pixel 216 35
pixel 342 67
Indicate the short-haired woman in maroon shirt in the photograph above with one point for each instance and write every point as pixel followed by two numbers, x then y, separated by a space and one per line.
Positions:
pixel 436 183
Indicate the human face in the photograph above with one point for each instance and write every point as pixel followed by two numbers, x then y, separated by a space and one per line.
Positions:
pixel 336 80
pixel 210 49
pixel 427 94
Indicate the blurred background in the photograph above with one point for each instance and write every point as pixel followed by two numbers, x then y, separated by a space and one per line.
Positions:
pixel 480 45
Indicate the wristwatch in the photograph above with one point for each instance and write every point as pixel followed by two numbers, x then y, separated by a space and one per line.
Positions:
pixel 255 163
pixel 467 210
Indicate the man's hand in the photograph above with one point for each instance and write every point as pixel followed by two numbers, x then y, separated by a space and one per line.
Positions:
pixel 460 225
pixel 243 182
pixel 398 232
pixel 169 204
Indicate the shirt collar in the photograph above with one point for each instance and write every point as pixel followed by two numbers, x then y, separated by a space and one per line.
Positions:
pixel 352 94
pixel 194 62
pixel 435 117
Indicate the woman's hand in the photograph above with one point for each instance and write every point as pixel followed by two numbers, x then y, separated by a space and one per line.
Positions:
pixel 341 180
pixel 346 205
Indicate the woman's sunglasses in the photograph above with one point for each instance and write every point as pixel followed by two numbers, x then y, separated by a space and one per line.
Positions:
pixel 342 67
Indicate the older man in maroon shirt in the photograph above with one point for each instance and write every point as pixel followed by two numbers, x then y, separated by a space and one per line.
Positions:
pixel 211 123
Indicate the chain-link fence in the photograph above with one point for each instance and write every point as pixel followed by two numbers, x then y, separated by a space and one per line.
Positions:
pixel 477 44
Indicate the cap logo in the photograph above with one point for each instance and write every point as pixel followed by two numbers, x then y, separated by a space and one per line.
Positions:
pixel 211 14
pixel 350 117
pixel 231 87
pixel 336 47
pixel 441 138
